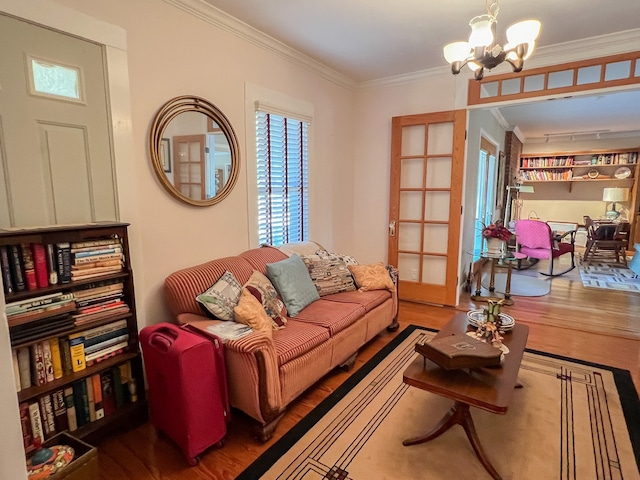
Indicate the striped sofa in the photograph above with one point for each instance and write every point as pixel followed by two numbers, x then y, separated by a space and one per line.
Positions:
pixel 265 375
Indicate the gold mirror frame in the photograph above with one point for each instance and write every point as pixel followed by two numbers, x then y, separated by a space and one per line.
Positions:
pixel 164 116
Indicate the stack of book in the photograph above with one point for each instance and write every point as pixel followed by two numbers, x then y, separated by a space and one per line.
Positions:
pixel 40 316
pixel 97 301
pixel 95 258
pixel 101 342
pixel 76 405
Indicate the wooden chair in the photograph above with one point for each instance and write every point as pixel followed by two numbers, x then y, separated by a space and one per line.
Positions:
pixel 535 239
pixel 607 241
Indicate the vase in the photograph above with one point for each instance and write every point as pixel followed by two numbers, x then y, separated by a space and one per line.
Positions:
pixel 495 246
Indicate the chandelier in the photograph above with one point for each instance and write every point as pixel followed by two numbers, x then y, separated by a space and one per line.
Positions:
pixel 482 51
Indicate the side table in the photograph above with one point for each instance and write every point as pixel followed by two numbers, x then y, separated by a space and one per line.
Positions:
pixel 496 261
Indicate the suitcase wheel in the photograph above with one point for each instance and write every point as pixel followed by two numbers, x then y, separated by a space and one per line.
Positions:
pixel 193 461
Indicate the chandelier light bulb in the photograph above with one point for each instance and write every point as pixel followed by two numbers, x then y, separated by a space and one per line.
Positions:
pixel 523 32
pixel 481 33
pixel 457 52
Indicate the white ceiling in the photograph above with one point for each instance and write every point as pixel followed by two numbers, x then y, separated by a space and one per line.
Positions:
pixel 372 39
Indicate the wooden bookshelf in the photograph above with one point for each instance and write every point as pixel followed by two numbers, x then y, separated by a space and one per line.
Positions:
pixel 134 410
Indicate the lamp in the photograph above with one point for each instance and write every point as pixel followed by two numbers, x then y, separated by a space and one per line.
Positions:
pixel 614 195
pixel 482 51
pixel 518 189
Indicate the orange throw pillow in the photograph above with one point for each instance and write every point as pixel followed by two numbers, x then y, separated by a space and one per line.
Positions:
pixel 250 311
pixel 372 277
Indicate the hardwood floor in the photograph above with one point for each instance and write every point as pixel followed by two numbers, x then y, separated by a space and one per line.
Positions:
pixel 554 322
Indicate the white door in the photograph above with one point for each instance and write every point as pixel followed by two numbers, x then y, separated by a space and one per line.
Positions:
pixel 55 143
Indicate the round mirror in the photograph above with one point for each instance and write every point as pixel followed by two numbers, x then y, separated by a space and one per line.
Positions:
pixel 194 151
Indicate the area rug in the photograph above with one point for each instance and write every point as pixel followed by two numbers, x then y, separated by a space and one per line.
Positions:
pixel 602 275
pixel 571 420
pixel 521 285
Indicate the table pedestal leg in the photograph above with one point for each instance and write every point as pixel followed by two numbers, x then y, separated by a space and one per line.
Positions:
pixel 458 415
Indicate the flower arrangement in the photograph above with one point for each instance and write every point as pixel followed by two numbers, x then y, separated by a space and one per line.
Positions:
pixel 490 328
pixel 496 230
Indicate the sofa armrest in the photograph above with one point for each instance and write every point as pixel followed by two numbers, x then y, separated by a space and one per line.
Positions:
pixel 252 371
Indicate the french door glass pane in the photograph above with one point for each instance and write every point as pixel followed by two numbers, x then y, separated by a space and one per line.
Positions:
pixel 410 205
pixel 413 140
pixel 436 238
pixel 408 267
pixel 440 138
pixel 439 172
pixel 436 206
pixel 434 270
pixel 409 236
pixel 412 173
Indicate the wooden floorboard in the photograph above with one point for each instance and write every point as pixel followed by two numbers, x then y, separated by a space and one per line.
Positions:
pixel 555 326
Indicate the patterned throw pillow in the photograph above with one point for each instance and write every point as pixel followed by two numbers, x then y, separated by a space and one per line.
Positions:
pixel 249 311
pixel 348 259
pixel 261 287
pixel 222 297
pixel 329 275
pixel 372 277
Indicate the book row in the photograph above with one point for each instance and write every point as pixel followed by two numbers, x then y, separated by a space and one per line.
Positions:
pixel 547 162
pixel 545 175
pixel 29 266
pixel 78 404
pixel 48 360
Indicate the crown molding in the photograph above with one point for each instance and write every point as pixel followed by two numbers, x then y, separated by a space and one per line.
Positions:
pixel 405 78
pixel 214 16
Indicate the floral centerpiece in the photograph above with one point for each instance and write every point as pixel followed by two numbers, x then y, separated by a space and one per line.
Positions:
pixel 490 328
pixel 496 230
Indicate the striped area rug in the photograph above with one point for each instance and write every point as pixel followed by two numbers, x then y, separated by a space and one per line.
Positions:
pixel 602 275
pixel 571 420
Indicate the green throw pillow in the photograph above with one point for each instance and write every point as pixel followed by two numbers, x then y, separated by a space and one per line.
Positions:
pixel 221 298
pixel 291 278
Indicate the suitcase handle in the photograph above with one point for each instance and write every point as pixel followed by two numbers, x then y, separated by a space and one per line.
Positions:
pixel 163 337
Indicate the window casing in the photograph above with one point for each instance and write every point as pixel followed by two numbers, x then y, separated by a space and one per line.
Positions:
pixel 282 178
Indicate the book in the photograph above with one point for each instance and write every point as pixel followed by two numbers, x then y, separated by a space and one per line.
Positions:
pixel 71 409
pixel 85 272
pixel 90 400
pixel 28 331
pixel 37 362
pixel 81 401
pixel 56 357
pixel 63 259
pixel 47 358
pixel 59 410
pixel 17 269
pixel 108 394
pixel 103 345
pixel 98 258
pixel 459 350
pixel 40 264
pixel 52 266
pixel 36 422
pixel 44 312
pixel 229 330
pixel 24 364
pixel 125 378
pixel 103 263
pixel 16 369
pixel 76 347
pixel 29 268
pixel 65 355
pixel 105 351
pixel 25 424
pixel 92 244
pixel 7 281
pixel 33 303
pixel 97 252
pixel 105 337
pixel 46 412
pixel 97 395
pixel 117 387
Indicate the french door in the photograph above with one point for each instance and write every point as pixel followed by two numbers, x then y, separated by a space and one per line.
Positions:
pixel 427 164
pixel 189 163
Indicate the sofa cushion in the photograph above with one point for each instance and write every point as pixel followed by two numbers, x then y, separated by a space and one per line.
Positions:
pixel 372 277
pixel 261 288
pixel 291 279
pixel 297 339
pixel 348 259
pixel 369 299
pixel 329 275
pixel 249 311
pixel 221 298
pixel 335 316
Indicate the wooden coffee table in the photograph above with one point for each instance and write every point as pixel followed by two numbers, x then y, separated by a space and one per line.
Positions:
pixel 487 388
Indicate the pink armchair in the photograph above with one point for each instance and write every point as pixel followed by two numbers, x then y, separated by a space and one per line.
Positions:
pixel 536 240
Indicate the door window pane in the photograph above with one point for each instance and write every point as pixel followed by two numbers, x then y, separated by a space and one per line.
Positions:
pixel 49 79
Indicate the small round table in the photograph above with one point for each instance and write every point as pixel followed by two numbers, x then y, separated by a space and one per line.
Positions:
pixel 497 260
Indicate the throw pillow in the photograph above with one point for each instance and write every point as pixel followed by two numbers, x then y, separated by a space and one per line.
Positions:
pixel 348 259
pixel 372 277
pixel 249 311
pixel 329 275
pixel 260 287
pixel 222 296
pixel 291 278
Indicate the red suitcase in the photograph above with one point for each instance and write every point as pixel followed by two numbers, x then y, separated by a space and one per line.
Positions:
pixel 187 386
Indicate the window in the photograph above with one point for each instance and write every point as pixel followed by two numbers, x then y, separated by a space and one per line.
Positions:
pixel 53 80
pixel 486 195
pixel 282 179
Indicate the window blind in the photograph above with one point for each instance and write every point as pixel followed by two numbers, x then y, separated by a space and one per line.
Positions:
pixel 282 178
